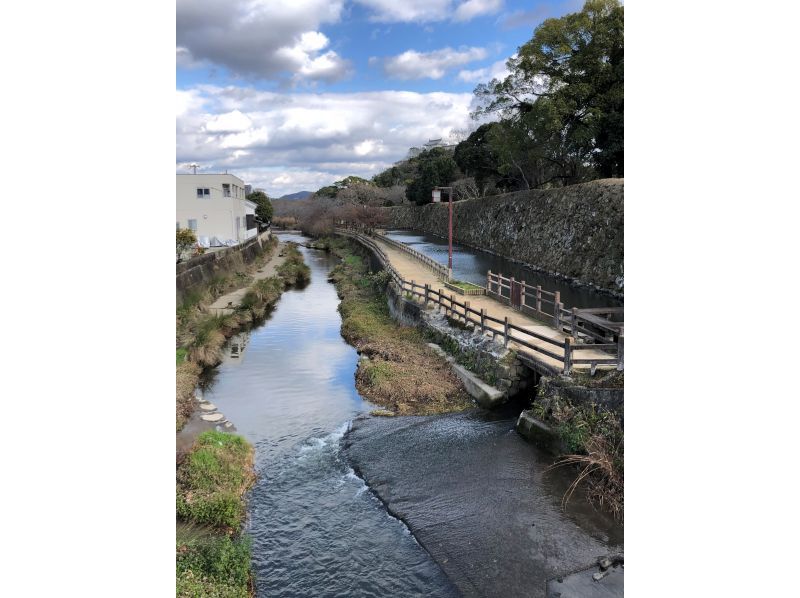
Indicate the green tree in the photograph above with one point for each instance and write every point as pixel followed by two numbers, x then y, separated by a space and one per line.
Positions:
pixel 570 78
pixel 263 205
pixel 476 157
pixel 185 239
pixel 435 168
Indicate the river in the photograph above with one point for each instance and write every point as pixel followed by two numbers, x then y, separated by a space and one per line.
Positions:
pixel 473 264
pixel 317 529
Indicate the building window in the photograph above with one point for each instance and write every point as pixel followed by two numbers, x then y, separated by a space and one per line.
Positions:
pixel 203 193
pixel 193 224
pixel 226 190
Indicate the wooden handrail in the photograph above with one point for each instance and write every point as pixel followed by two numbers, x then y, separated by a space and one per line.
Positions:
pixel 563 317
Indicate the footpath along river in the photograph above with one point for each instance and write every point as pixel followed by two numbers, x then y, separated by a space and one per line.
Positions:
pixel 317 529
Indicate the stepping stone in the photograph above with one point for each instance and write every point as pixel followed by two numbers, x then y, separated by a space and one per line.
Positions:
pixel 228 425
pixel 212 417
pixel 208 407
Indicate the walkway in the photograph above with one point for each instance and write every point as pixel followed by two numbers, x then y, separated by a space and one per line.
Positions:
pixel 413 270
pixel 229 302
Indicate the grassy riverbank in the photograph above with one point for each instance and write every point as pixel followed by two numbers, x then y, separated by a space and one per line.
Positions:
pixel 398 371
pixel 213 558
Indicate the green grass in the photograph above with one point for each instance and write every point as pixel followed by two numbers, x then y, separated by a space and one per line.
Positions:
pixel 464 286
pixel 213 567
pixel 213 478
pixel 180 356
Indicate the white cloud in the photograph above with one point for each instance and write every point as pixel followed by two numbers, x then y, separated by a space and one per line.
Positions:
pixel 423 11
pixel 265 39
pixel 229 122
pixel 498 70
pixel 304 140
pixel 407 11
pixel 474 8
pixel 433 65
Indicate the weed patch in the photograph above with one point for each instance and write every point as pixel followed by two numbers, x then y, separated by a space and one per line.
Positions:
pixel 213 478
pixel 215 567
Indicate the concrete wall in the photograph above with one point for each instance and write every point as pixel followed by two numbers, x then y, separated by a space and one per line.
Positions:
pixel 575 232
pixel 215 213
pixel 198 271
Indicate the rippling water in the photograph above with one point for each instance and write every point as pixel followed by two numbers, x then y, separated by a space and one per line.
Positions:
pixel 472 265
pixel 316 529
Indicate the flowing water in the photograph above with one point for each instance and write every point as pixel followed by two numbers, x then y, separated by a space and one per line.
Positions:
pixel 473 264
pixel 316 529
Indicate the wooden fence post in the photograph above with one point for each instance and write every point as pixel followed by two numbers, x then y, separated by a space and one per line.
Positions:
pixel 557 314
pixel 489 281
pixel 539 298
pixel 567 355
pixel 522 294
pixel 621 351
pixel 505 333
pixel 413 296
pixel 452 311
pixel 427 290
pixel 575 322
pixel 483 320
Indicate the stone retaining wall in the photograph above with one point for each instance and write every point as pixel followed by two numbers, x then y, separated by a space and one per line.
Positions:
pixel 573 232
pixel 198 271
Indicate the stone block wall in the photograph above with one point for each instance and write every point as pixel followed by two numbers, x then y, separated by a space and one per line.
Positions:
pixel 574 232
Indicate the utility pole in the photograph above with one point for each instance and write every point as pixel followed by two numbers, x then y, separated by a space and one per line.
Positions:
pixel 437 197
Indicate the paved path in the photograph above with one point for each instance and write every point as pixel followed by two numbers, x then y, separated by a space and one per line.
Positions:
pixel 413 270
pixel 227 303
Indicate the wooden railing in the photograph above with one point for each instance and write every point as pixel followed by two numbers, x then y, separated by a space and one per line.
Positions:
pixel 509 332
pixel 440 270
pixel 547 306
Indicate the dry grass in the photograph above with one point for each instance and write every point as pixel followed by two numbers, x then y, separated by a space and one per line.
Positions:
pixel 601 471
pixel 403 374
pixel 186 378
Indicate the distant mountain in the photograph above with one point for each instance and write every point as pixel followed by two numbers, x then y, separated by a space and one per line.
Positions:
pixel 298 195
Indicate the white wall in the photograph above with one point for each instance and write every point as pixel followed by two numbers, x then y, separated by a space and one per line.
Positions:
pixel 215 214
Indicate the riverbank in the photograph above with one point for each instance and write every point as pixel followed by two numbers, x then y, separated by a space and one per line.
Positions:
pixel 213 557
pixel 482 501
pixel 397 369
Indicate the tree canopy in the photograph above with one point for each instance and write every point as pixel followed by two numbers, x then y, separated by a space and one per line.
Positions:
pixel 564 93
pixel 263 205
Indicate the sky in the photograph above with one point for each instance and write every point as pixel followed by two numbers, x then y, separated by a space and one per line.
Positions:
pixel 292 95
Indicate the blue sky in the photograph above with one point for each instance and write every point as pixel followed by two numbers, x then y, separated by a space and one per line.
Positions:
pixel 293 94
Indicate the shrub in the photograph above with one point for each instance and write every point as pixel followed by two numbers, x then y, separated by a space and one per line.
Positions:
pixel 184 240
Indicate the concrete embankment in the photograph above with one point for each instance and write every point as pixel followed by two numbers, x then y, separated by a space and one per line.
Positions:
pixel 481 500
pixel 575 232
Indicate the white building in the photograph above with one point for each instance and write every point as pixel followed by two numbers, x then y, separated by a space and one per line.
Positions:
pixel 215 208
